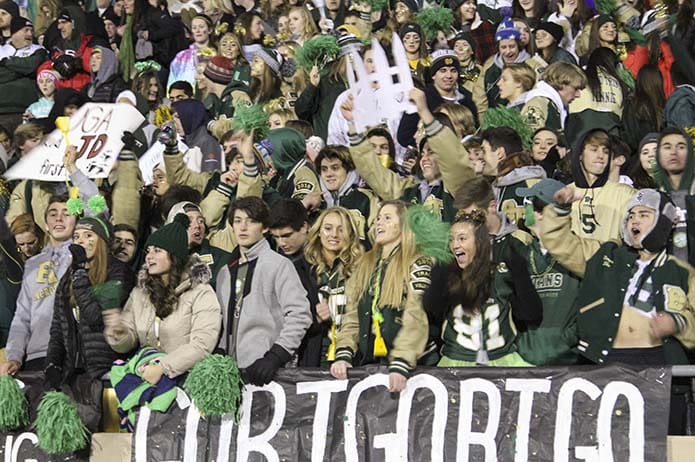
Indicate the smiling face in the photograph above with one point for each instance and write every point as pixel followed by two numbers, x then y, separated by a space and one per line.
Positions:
pixel 445 79
pixel 542 142
pixel 256 29
pixel 543 39
pixel 468 10
pixel 87 239
pixel 388 226
pixel 509 88
pixel 124 246
pixel 463 243
pixel 157 261
pixel 59 222
pixel 333 173
pixel 200 31
pixel 246 230
pixel 333 234
pixel 257 67
pixel 647 156
pixel 429 164
pixel 463 50
pixel 28 243
pixel 402 13
pixel 639 221
pixel 229 47
pixel 527 6
pixel 508 50
pixel 607 32
pixel 296 22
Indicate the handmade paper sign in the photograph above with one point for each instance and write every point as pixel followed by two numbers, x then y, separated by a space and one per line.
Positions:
pixel 96 130
pixel 155 156
pixel 393 83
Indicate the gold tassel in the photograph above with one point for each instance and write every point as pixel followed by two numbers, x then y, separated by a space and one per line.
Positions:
pixel 330 355
pixel 380 349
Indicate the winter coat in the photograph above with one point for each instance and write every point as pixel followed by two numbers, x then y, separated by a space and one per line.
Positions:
pixel 679 110
pixel 107 83
pixel 274 309
pixel 79 343
pixel 18 78
pixel 316 103
pixel 187 335
pixel 166 33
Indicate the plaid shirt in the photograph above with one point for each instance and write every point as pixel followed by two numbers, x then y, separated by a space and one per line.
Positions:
pixel 485 44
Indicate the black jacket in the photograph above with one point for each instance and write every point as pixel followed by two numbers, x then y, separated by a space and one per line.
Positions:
pixel 165 32
pixel 81 344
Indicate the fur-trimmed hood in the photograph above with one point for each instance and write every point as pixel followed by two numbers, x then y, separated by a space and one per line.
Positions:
pixel 197 272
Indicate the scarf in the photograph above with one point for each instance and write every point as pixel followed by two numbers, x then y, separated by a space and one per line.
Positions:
pixel 126 52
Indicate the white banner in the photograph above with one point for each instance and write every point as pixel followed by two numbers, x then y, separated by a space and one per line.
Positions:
pixel 96 129
pixel 155 156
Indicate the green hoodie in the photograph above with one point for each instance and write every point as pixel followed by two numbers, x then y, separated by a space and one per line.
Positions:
pixel 682 243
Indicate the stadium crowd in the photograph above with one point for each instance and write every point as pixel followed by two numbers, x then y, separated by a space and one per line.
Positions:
pixel 537 208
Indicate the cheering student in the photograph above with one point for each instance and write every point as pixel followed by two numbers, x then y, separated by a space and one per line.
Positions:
pixel 384 322
pixel 472 298
pixel 332 251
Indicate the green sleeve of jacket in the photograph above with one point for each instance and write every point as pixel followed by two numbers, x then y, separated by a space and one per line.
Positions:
pixel 385 183
pixel 15 67
pixel 126 196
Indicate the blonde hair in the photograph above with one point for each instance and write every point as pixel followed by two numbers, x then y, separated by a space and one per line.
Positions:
pixel 559 74
pixel 461 118
pixel 523 74
pixel 309 29
pixel 220 6
pixel 348 256
pixel 285 114
pixel 398 271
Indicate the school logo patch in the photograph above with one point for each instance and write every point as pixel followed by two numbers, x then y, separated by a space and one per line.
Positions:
pixel 46 273
pixel 674 298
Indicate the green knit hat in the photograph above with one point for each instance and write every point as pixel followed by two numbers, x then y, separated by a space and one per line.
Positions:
pixel 172 237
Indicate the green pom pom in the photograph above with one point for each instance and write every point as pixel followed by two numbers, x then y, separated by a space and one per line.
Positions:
pixel 75 206
pixel 431 234
pixel 635 36
pixel 606 6
pixel 97 204
pixel 502 116
pixel 248 118
pixel 58 426
pixel 215 386
pixel 317 51
pixel 107 294
pixel 435 19
pixel 625 76
pixel 14 412
pixel 378 5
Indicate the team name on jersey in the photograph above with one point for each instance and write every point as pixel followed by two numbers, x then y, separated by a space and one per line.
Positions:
pixel 548 281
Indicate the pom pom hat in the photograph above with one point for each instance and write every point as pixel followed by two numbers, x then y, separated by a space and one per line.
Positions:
pixel 506 30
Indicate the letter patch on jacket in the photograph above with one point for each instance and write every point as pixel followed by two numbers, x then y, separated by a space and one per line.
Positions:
pixel 674 298
pixel 420 275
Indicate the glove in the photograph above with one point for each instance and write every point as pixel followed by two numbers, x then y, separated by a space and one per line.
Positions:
pixel 130 142
pixel 263 370
pixel 67 66
pixel 54 375
pixel 168 136
pixel 79 256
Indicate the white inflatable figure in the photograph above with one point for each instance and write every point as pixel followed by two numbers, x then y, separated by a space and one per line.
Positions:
pixel 321 6
pixel 390 99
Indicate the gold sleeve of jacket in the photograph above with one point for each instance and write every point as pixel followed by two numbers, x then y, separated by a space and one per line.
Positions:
pixel 571 251
pixel 385 183
pixel 411 339
pixel 452 158
pixel 18 205
pixel 682 306
pixel 249 186
pixel 212 208
pixel 349 330
pixel 126 193
pixel 305 182
pixel 179 173
pixel 535 112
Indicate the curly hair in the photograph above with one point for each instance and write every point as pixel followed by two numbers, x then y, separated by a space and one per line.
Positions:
pixel 163 296
pixel 349 254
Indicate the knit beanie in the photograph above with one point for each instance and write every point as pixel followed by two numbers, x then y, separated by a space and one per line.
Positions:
pixel 553 29
pixel 411 4
pixel 271 57
pixel 466 37
pixel 443 58
pixel 50 73
pixel 603 19
pixel 10 7
pixel 64 15
pixel 97 225
pixel 507 30
pixel 348 43
pixel 18 23
pixel 656 238
pixel 648 138
pixel 172 237
pixel 219 70
pixel 410 27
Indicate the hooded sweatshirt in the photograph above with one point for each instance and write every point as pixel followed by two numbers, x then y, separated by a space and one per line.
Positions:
pixel 682 243
pixel 30 330
pixel 516 171
pixel 193 118
pixel 106 83
pixel 598 215
pixel 295 178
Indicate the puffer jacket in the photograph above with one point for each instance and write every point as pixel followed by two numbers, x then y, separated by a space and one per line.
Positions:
pixel 80 343
pixel 187 335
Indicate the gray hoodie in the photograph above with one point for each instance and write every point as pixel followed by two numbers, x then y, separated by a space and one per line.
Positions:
pixel 31 325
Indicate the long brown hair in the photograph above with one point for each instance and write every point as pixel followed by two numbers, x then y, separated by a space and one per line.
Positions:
pixel 348 256
pixel 163 296
pixel 398 270
pixel 472 285
pixel 98 267
pixel 262 89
